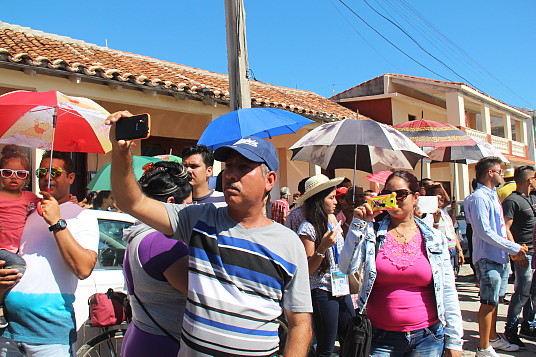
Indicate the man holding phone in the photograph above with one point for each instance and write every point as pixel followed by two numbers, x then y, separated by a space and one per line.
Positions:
pixel 199 160
pixel 244 270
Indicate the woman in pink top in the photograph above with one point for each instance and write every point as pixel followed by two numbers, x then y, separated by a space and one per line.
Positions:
pixel 15 205
pixel 408 283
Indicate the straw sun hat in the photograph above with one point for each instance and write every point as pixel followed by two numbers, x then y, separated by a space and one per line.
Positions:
pixel 317 184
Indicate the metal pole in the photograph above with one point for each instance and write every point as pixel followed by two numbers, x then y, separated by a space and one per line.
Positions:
pixel 355 174
pixel 54 120
pixel 237 54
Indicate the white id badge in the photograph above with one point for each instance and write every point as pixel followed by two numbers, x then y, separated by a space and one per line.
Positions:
pixel 339 283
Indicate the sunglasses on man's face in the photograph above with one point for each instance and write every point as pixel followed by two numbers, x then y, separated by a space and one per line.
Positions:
pixel 54 172
pixel 401 194
pixel 20 174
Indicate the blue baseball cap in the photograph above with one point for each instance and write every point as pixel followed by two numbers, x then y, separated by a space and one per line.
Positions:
pixel 252 148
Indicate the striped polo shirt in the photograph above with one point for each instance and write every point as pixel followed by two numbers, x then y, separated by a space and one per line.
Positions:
pixel 240 280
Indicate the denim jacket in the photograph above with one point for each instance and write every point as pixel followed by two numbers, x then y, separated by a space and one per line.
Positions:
pixel 360 250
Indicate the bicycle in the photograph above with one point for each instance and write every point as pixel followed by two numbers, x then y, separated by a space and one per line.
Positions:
pixel 106 344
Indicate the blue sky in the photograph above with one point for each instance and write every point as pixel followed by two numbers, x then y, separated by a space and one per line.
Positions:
pixel 316 45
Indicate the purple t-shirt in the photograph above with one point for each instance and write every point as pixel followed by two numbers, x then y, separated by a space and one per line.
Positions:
pixel 156 253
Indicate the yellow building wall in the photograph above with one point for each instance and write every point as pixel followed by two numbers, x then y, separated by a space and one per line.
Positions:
pixel 401 110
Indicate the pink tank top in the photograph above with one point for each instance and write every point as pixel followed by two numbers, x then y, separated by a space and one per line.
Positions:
pixel 13 214
pixel 402 298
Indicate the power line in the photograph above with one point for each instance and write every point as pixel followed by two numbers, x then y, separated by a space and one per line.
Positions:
pixel 418 44
pixel 474 67
pixel 362 37
pixel 391 43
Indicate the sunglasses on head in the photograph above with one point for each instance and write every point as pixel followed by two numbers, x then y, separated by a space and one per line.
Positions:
pixel 54 172
pixel 401 194
pixel 20 174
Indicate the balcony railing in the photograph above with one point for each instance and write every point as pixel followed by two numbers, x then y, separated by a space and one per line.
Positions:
pixel 501 144
pixel 518 149
pixel 477 135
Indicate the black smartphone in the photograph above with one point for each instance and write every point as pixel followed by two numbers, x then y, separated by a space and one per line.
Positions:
pixel 132 128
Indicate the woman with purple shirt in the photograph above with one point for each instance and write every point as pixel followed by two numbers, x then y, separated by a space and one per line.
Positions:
pixel 156 270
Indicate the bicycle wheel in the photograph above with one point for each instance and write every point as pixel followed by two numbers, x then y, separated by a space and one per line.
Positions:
pixel 107 344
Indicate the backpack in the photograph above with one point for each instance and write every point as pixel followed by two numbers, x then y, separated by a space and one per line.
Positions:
pixel 110 308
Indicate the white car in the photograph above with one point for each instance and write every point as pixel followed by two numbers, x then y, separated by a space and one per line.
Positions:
pixel 108 272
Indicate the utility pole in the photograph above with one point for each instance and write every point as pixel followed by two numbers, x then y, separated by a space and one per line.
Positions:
pixel 237 54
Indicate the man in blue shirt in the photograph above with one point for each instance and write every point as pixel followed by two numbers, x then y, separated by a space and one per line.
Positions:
pixel 491 247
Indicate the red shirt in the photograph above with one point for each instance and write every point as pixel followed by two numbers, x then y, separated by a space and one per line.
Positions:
pixel 13 214
pixel 280 210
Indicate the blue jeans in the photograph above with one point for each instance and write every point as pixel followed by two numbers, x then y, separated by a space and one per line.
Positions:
pixel 453 253
pixel 493 280
pixel 523 298
pixel 331 314
pixel 427 342
pixel 13 261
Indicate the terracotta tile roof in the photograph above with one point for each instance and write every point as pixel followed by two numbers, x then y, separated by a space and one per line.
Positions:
pixel 24 46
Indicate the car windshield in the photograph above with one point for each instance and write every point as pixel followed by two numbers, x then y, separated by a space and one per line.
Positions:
pixel 111 244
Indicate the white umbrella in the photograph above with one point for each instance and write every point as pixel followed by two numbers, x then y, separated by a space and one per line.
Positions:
pixel 357 144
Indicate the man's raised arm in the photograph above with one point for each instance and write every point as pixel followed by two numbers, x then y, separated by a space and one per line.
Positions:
pixel 126 190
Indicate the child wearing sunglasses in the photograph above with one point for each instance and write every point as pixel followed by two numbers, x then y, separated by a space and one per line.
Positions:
pixel 15 206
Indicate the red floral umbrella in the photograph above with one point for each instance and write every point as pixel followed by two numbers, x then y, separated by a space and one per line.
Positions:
pixel 429 133
pixel 53 121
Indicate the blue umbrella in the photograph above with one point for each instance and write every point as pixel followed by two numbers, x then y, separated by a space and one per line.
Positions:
pixel 261 122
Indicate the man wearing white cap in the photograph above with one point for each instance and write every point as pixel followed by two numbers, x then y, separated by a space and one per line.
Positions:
pixel 244 270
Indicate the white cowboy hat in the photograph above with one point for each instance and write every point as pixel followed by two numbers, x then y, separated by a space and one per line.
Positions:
pixel 316 184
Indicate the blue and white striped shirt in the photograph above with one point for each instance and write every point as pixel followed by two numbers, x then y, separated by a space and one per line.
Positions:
pixel 239 282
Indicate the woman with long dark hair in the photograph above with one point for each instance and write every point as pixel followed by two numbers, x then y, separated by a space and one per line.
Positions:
pixel 322 238
pixel 104 201
pixel 156 270
pixel 408 285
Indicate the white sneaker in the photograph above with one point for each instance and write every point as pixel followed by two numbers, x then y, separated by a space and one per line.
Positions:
pixel 503 345
pixel 488 352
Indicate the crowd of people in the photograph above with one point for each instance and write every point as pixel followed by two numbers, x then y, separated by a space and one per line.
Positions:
pixel 211 272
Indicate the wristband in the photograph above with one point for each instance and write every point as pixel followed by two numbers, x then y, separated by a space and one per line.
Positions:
pixel 320 254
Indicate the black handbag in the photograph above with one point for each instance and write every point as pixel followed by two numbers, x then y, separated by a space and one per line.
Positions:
pixel 358 337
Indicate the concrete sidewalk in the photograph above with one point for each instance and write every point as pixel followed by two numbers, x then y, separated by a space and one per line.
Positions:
pixel 469 301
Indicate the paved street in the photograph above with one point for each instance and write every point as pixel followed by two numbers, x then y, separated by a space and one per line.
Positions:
pixel 468 294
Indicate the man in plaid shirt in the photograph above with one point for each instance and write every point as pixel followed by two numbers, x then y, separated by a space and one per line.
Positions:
pixel 280 208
